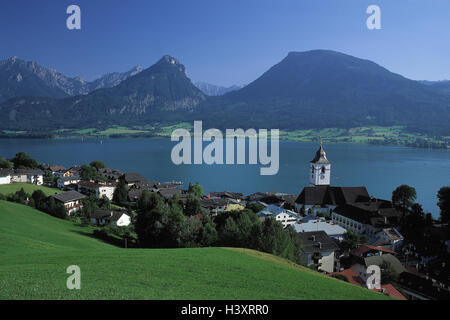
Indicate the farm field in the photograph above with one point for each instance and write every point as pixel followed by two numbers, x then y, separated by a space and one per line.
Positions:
pixel 36 249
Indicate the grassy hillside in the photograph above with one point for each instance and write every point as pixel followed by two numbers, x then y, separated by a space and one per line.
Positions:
pixel 36 249
pixel 28 187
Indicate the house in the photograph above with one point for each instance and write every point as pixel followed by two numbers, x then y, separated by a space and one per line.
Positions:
pixel 71 200
pixel 98 189
pixel 56 169
pixel 389 237
pixel 311 223
pixel 5 176
pixel 18 176
pixel 353 278
pixel 365 251
pixel 132 178
pixel 110 217
pixel 33 176
pixel 168 194
pixel 68 182
pixel 226 195
pixel 214 206
pixel 110 174
pixel 286 217
pixel 367 218
pixel 360 264
pixel 318 249
pixel 390 290
pixel 416 287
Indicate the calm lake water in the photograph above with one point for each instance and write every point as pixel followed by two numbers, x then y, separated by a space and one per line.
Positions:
pixel 379 168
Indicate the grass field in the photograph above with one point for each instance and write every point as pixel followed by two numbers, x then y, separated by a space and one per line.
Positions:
pixel 36 249
pixel 28 187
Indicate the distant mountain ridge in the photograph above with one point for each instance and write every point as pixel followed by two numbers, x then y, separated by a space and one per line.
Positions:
pixel 28 78
pixel 311 89
pixel 213 90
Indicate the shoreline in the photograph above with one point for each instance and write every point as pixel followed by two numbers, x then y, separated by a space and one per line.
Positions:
pixel 421 142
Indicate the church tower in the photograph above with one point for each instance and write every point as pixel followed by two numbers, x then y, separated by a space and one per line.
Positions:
pixel 320 169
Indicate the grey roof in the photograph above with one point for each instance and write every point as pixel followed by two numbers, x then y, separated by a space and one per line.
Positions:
pixel 375 212
pixel 273 211
pixel 227 194
pixel 320 225
pixel 6 172
pixel 321 156
pixel 317 241
pixel 69 196
pixel 113 215
pixel 35 172
pixel 74 177
pixel 169 193
pixel 393 262
pixel 133 177
pixel 327 195
pixel 212 203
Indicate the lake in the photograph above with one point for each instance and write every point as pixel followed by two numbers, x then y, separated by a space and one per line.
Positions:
pixel 380 168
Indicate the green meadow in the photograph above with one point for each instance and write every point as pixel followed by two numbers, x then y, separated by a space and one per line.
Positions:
pixel 36 249
pixel 29 188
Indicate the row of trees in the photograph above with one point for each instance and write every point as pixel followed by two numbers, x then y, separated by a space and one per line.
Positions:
pixel 405 197
pixel 169 225
pixel 20 161
pixel 39 201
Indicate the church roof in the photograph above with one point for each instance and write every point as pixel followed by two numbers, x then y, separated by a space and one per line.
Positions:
pixel 321 156
pixel 326 195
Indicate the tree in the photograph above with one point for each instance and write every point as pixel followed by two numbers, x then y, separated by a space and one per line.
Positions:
pixel 60 211
pixel 404 196
pixel 48 178
pixel 230 233
pixel 209 235
pixel 104 203
pixel 89 206
pixel 190 232
pixel 193 206
pixel 97 164
pixel 19 196
pixel 39 199
pixel 351 240
pixel 151 220
pixel 444 204
pixel 120 195
pixel 6 164
pixel 24 161
pixel 89 173
pixel 254 206
pixel 195 189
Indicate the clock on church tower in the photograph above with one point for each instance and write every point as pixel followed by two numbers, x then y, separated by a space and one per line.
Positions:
pixel 320 169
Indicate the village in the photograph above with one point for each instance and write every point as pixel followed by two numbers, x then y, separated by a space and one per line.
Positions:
pixel 342 230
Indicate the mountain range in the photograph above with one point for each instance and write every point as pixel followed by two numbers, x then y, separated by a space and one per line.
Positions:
pixel 312 89
pixel 27 78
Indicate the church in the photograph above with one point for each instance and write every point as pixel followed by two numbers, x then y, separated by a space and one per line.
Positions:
pixel 349 207
pixel 319 196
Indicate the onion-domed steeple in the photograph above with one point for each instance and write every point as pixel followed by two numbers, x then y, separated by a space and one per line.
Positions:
pixel 320 168
pixel 321 156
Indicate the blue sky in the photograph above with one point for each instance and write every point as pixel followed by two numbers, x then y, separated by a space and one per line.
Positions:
pixel 225 42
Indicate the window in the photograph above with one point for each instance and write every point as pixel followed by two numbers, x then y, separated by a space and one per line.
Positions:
pixel 323 169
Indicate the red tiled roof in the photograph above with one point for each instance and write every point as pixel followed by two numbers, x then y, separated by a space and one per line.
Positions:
pixel 364 248
pixel 352 276
pixel 391 291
